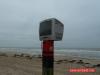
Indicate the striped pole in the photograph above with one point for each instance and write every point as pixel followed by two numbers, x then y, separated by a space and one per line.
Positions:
pixel 48 57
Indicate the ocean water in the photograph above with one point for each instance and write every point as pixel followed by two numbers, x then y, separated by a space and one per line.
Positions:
pixel 83 53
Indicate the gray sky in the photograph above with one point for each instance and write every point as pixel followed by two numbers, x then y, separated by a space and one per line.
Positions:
pixel 19 22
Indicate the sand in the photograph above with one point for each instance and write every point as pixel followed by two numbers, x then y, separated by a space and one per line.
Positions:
pixel 32 65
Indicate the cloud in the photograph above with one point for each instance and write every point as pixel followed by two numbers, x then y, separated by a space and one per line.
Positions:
pixel 19 22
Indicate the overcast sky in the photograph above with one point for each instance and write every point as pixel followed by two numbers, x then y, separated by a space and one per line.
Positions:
pixel 19 22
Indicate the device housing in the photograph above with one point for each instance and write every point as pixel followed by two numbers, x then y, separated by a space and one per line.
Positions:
pixel 51 29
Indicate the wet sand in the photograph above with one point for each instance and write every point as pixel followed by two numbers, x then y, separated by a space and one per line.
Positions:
pixel 32 65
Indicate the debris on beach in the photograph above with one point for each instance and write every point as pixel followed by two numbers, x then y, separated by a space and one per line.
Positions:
pixel 86 63
pixel 16 55
pixel 39 56
pixel 72 61
pixel 80 62
pixel 3 54
pixel 98 65
pixel 59 61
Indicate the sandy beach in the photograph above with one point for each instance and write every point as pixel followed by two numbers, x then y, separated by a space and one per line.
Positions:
pixel 32 65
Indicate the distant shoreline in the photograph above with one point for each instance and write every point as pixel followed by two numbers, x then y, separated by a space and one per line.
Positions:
pixel 94 54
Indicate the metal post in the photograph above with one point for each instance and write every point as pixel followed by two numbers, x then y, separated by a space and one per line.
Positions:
pixel 48 57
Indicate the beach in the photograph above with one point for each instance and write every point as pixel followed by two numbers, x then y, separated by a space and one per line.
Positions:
pixel 24 64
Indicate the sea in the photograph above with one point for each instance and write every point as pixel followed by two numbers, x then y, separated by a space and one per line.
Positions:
pixel 93 53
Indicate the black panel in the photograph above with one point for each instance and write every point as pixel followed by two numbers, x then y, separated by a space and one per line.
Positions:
pixel 45 28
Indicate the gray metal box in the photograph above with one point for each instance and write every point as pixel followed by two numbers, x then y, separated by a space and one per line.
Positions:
pixel 51 29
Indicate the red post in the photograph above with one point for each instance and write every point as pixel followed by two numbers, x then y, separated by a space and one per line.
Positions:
pixel 48 57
